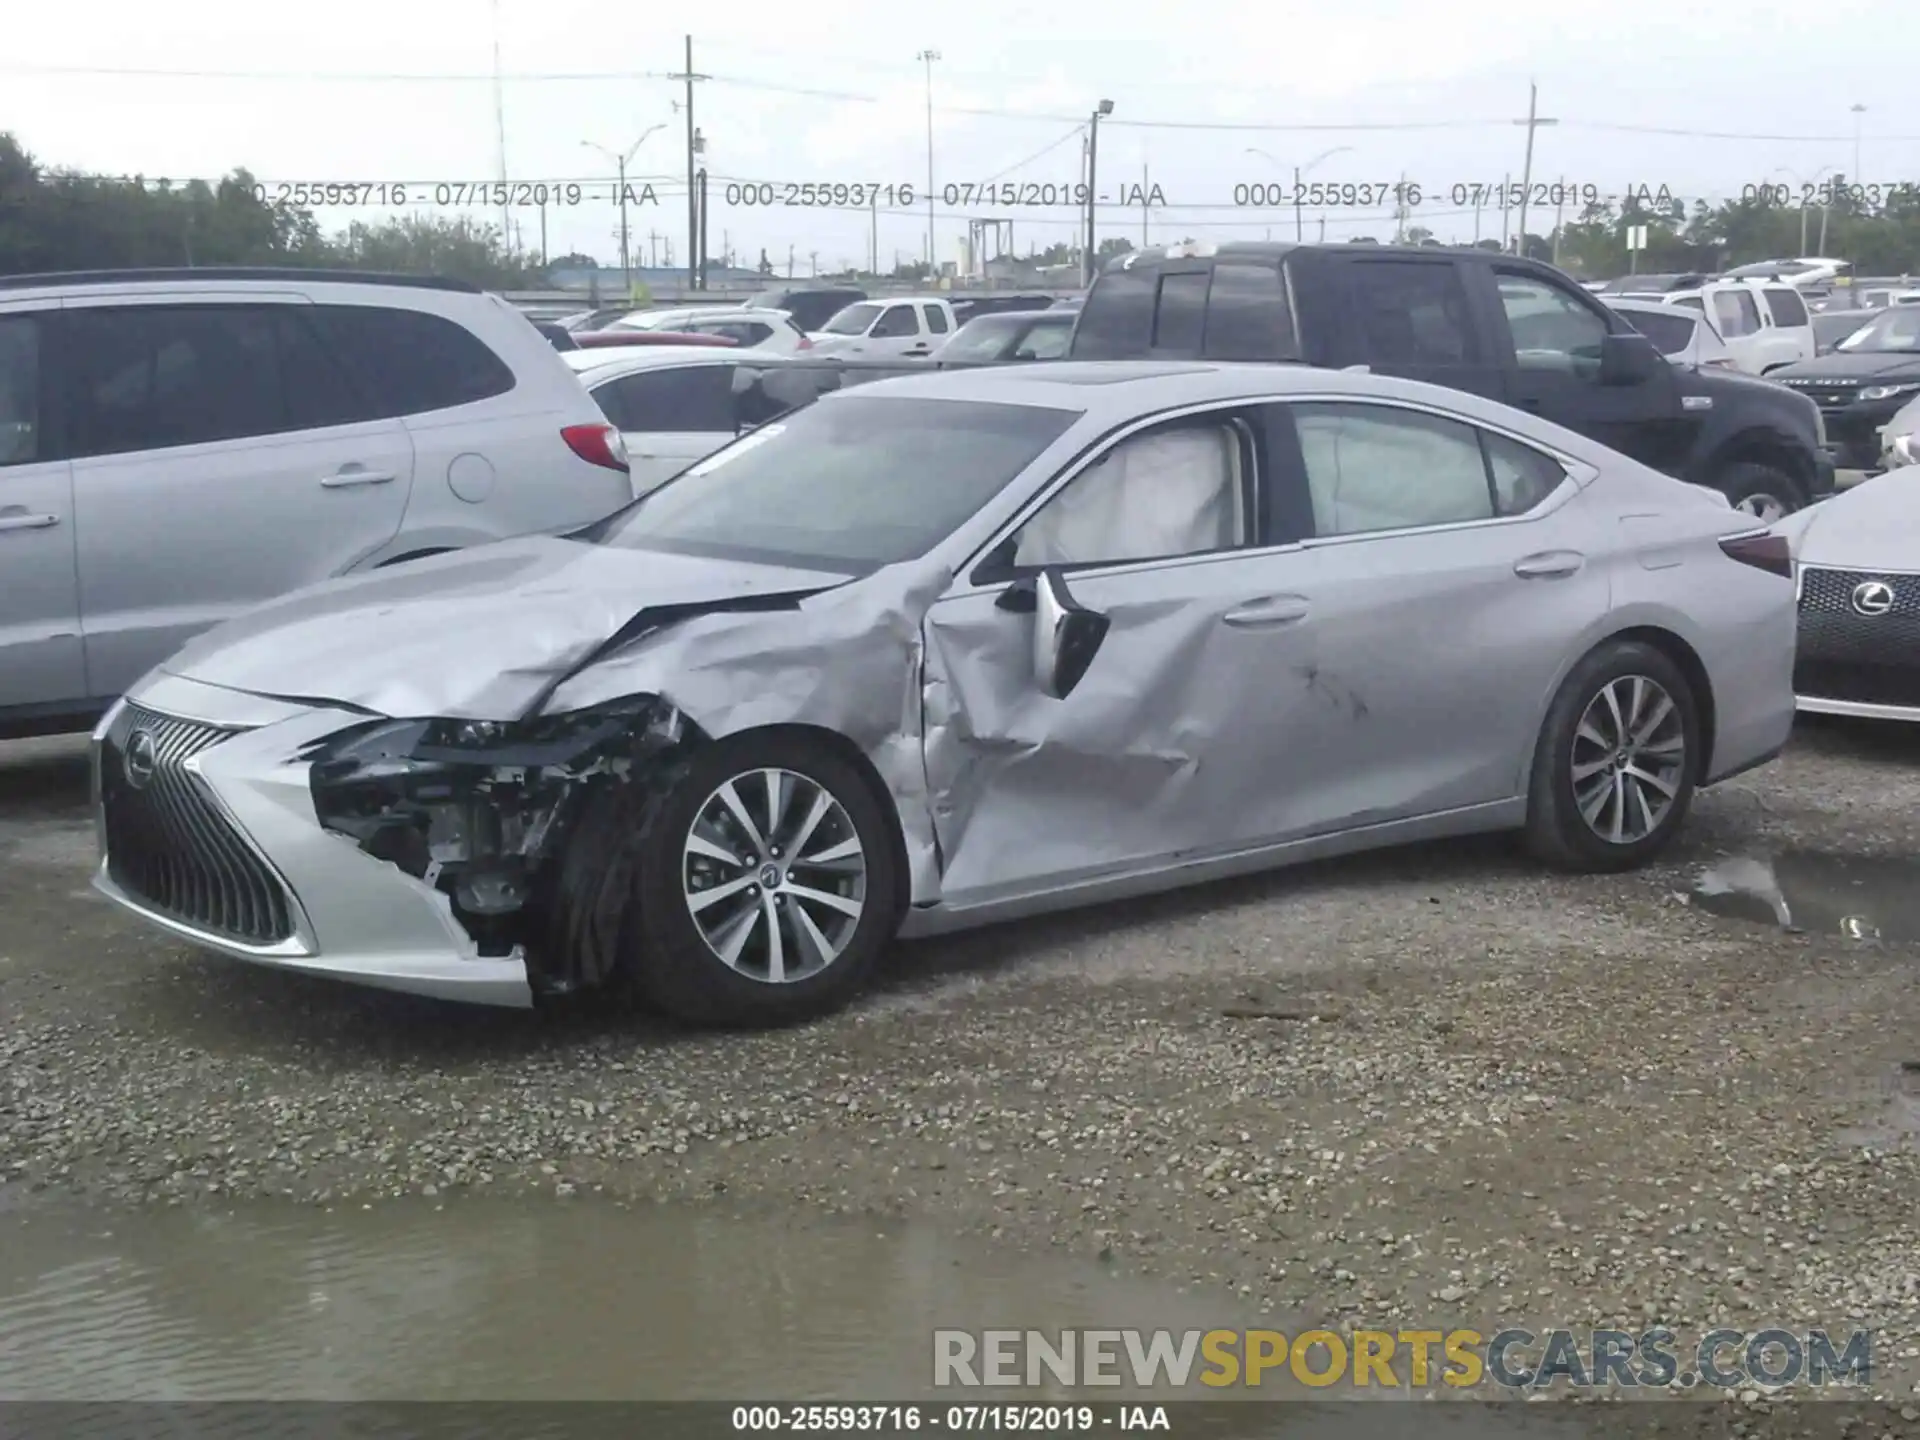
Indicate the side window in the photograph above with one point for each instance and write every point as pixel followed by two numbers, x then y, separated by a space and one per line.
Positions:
pixel 1116 322
pixel 407 362
pixel 1247 316
pixel 1692 302
pixel 317 390
pixel 1787 306
pixel 1176 490
pixel 152 377
pixel 1736 313
pixel 20 442
pixel 1371 467
pixel 1180 314
pixel 1522 476
pixel 936 319
pixel 670 398
pixel 1551 330
pixel 896 324
pixel 1413 312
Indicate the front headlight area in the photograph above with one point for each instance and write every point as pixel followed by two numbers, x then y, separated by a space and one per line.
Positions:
pixel 476 808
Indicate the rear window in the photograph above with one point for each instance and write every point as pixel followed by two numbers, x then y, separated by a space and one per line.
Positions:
pixel 407 362
pixel 1180 316
pixel 1116 322
pixel 1671 334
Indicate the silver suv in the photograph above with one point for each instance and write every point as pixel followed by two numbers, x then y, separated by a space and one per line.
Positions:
pixel 176 446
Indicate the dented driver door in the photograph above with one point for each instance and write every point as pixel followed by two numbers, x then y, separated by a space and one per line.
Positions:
pixel 1173 744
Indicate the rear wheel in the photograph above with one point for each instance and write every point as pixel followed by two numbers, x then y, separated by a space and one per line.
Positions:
pixel 1613 773
pixel 1761 491
pixel 766 885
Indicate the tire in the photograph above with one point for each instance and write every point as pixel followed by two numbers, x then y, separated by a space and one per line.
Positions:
pixel 667 954
pixel 1758 489
pixel 1558 831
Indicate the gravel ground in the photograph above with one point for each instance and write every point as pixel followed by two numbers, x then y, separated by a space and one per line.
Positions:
pixel 1433 1086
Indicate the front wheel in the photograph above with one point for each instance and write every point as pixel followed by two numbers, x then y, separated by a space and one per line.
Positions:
pixel 1760 490
pixel 766 885
pixel 1613 773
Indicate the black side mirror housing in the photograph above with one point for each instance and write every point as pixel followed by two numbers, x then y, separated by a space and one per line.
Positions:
pixel 1629 360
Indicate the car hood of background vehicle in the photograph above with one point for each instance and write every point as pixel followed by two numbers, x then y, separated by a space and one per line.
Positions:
pixel 1855 365
pixel 1873 526
pixel 478 634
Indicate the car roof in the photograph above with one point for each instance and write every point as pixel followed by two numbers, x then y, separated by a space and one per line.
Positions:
pixel 1654 307
pixel 259 274
pixel 1018 317
pixel 591 363
pixel 1112 391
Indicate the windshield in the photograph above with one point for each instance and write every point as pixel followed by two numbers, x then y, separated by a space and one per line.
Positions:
pixel 850 483
pixel 981 339
pixel 1671 334
pixel 1895 331
pixel 853 320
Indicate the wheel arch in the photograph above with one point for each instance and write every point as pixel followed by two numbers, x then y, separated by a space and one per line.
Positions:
pixel 1763 447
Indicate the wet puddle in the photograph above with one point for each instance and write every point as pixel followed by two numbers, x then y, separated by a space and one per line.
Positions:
pixel 1865 898
pixel 481 1299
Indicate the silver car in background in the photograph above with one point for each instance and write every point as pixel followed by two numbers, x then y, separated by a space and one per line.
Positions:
pixel 947 649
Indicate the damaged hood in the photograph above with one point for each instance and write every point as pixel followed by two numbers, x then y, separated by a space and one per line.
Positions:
pixel 477 634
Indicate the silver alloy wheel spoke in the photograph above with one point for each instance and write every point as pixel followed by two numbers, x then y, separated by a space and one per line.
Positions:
pixel 1763 507
pixel 774 875
pixel 1629 759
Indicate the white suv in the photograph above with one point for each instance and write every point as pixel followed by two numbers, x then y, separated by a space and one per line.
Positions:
pixel 1765 324
pixel 176 446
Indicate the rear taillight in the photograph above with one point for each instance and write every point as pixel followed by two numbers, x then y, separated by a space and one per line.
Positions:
pixel 1766 552
pixel 597 445
pixel 805 344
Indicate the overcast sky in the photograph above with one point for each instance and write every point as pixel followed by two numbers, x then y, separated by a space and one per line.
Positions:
pixel 1704 97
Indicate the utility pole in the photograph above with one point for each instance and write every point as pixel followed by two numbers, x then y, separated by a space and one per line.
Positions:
pixel 543 234
pixel 689 75
pixel 927 57
pixel 1559 212
pixel 1854 179
pixel 1143 205
pixel 1506 210
pixel 1533 122
pixel 1105 107
pixel 1400 210
pixel 789 262
pixel 873 232
pixel 620 170
pixel 813 263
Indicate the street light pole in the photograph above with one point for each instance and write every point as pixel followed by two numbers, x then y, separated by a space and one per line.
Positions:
pixel 927 57
pixel 1858 111
pixel 620 170
pixel 1533 122
pixel 1300 173
pixel 1105 107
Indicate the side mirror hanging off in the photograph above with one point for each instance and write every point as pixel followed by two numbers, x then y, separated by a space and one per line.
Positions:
pixel 1066 635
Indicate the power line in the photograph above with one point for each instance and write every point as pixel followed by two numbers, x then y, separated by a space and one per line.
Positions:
pixel 1040 154
pixel 858 98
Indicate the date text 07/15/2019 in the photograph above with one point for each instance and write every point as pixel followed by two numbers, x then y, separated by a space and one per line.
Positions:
pixel 1380 194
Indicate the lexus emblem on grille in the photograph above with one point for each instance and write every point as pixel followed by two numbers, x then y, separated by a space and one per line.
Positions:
pixel 1874 597
pixel 143 757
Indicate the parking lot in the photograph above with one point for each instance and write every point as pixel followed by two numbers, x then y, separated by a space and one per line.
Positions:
pixel 1434 1085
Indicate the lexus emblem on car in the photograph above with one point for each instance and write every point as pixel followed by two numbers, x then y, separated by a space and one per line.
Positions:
pixel 143 758
pixel 1874 597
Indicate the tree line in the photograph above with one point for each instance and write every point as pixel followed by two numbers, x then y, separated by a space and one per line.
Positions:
pixel 59 219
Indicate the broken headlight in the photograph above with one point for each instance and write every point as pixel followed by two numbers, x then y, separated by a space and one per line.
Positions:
pixel 472 807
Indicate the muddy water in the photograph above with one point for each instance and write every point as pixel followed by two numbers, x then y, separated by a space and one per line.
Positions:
pixel 1864 898
pixel 480 1299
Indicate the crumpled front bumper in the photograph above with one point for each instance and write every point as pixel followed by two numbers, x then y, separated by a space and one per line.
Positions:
pixel 348 915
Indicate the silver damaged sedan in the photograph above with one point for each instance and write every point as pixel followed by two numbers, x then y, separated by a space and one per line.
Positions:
pixel 949 649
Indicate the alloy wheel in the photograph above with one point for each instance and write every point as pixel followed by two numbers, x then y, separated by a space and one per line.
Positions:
pixel 1764 507
pixel 1629 759
pixel 775 876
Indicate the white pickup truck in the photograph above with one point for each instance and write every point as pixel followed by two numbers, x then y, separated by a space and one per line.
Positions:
pixel 1765 324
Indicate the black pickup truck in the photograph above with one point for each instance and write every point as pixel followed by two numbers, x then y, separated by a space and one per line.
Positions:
pixel 1510 329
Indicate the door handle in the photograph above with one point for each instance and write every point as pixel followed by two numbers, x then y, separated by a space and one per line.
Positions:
pixel 342 478
pixel 20 521
pixel 1267 610
pixel 1549 565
